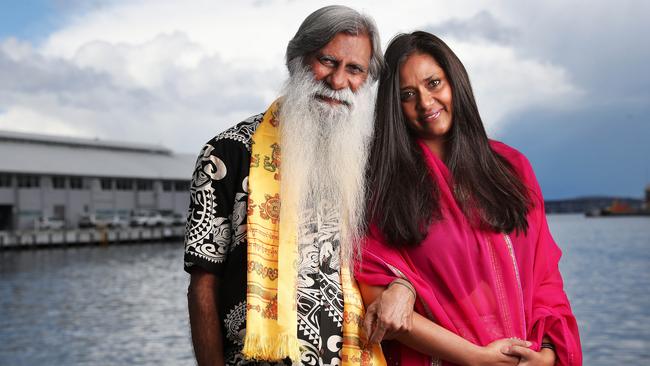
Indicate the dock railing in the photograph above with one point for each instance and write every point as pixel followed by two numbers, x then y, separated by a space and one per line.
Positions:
pixel 94 236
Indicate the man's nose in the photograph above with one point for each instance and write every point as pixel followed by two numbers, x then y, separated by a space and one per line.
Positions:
pixel 338 79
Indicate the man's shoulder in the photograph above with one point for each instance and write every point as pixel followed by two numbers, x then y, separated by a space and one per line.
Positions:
pixel 241 133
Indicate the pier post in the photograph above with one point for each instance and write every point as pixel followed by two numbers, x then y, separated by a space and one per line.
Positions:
pixel 103 234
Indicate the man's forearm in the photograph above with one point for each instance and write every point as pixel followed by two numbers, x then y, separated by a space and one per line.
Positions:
pixel 205 324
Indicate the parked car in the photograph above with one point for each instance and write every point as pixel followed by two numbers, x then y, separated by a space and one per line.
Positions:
pixel 140 218
pixel 87 221
pixel 117 222
pixel 149 219
pixel 96 221
pixel 179 220
pixel 173 219
pixel 157 219
pixel 49 223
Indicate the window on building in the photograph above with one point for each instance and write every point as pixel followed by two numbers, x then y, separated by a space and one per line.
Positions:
pixel 59 212
pixel 182 186
pixel 58 182
pixel 5 180
pixel 124 184
pixel 144 185
pixel 106 184
pixel 76 183
pixel 29 181
pixel 167 185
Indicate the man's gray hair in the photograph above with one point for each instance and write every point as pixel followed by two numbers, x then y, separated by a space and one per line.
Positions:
pixel 321 26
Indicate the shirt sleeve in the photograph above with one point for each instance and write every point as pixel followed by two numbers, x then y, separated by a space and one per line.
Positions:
pixel 551 311
pixel 217 211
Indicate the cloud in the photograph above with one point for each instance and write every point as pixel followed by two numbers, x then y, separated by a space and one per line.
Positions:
pixel 164 76
pixel 167 90
pixel 505 80
pixel 216 26
pixel 603 47
pixel 22 119
pixel 506 83
pixel 176 73
pixel 482 26
pixel 24 71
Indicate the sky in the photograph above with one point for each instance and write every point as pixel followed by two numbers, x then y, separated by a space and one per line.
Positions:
pixel 565 82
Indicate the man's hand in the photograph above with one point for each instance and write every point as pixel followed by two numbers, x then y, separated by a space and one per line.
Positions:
pixel 390 314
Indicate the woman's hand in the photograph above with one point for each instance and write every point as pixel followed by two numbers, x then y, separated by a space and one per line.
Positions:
pixel 545 357
pixel 390 314
pixel 494 354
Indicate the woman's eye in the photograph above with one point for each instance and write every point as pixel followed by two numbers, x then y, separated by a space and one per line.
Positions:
pixel 406 95
pixel 434 82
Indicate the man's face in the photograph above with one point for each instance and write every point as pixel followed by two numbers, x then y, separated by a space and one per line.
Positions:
pixel 342 63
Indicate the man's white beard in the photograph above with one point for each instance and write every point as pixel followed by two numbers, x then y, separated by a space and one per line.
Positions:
pixel 324 150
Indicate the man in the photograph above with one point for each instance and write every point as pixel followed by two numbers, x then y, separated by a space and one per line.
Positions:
pixel 271 284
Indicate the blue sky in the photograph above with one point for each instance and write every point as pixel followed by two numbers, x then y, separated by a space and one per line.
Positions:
pixel 565 82
pixel 28 19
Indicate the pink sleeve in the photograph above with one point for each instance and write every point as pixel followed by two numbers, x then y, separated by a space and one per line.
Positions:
pixel 381 264
pixel 373 268
pixel 551 311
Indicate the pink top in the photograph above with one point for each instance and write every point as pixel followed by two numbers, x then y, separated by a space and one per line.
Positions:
pixel 479 284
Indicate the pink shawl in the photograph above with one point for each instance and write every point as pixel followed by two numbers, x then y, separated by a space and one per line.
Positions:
pixel 479 284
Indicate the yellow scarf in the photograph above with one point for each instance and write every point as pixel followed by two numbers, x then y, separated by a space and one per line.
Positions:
pixel 271 315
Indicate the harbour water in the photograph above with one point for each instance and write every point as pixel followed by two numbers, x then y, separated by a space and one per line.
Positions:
pixel 126 304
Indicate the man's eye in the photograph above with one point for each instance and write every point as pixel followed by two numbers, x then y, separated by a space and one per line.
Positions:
pixel 327 61
pixel 356 70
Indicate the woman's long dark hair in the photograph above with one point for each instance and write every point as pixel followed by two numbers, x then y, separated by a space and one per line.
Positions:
pixel 403 198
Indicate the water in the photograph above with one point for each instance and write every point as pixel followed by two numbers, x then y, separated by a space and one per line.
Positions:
pixel 606 269
pixel 124 305
pixel 120 305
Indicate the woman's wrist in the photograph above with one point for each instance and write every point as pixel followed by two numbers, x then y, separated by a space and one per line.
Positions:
pixel 547 350
pixel 549 355
pixel 475 356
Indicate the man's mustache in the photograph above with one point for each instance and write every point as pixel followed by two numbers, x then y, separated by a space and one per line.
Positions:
pixel 343 96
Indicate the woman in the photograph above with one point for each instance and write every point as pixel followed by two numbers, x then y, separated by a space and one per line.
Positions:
pixel 461 218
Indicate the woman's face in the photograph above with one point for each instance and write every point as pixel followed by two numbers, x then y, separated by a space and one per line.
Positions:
pixel 425 97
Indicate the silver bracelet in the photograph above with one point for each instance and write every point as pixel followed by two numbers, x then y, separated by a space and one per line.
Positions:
pixel 405 283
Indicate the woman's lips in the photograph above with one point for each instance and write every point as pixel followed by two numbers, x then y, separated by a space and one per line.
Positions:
pixel 431 116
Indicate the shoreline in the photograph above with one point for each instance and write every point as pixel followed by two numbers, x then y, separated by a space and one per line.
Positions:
pixel 33 239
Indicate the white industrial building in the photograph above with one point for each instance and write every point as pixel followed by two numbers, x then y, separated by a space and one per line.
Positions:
pixel 64 178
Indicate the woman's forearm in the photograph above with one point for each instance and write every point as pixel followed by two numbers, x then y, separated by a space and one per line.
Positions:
pixel 426 336
pixel 430 338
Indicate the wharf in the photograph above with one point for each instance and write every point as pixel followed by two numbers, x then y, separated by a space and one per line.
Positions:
pixel 31 239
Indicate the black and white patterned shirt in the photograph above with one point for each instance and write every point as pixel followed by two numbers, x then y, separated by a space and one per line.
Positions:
pixel 216 242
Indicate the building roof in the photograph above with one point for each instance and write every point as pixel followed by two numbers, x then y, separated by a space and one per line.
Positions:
pixel 25 153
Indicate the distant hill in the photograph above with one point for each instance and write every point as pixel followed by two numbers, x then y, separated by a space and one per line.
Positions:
pixel 587 204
